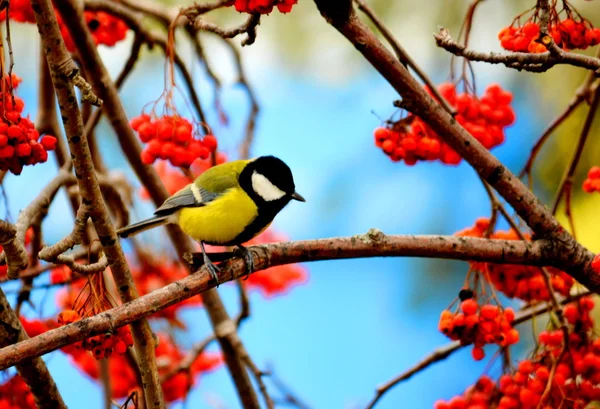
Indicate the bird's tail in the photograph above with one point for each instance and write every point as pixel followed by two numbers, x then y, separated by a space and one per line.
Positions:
pixel 139 227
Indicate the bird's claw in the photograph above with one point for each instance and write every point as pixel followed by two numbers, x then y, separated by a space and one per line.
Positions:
pixel 212 269
pixel 244 252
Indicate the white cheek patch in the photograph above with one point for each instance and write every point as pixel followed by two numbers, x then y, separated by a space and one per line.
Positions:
pixel 265 189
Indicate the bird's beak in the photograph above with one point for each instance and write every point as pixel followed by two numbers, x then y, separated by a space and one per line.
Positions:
pixel 297 196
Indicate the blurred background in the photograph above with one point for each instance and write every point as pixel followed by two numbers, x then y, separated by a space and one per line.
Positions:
pixel 354 324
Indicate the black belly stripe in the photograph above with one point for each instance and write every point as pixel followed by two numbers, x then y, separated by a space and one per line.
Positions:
pixel 263 218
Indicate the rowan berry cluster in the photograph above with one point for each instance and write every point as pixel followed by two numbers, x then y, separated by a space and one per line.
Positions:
pixel 553 378
pixel 124 378
pixel 263 6
pixel 15 394
pixel 568 34
pixel 174 179
pixel 19 11
pixel 20 142
pixel 479 325
pixel 154 272
pixel 592 183
pixel 171 137
pixel 105 28
pixel 516 281
pixel 102 346
pixel 412 140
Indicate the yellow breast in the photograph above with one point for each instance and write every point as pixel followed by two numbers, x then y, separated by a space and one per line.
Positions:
pixel 220 221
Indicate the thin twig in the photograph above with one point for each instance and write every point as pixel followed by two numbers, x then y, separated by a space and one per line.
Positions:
pixel 567 178
pixel 581 95
pixel 403 55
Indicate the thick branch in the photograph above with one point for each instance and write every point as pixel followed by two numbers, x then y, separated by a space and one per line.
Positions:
pixel 520 61
pixel 56 55
pixel 372 244
pixel 415 99
pixel 16 256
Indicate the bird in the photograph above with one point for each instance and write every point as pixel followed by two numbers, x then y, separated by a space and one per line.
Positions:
pixel 227 205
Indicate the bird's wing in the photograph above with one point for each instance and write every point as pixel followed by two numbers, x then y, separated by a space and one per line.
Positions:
pixel 207 187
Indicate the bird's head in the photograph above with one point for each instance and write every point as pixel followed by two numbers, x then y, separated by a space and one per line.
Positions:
pixel 269 182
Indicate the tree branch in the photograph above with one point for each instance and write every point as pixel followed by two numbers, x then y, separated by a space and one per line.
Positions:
pixel 16 256
pixel 372 244
pixel 519 61
pixel 57 56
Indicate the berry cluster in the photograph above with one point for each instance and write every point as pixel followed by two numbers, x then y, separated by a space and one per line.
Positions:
pixel 516 281
pixel 568 34
pixel 15 394
pixel 592 183
pixel 485 118
pixel 562 378
pixel 124 378
pixel 20 142
pixel 171 138
pixel 476 396
pixel 152 273
pixel 174 179
pixel 479 325
pixel 102 346
pixel 105 28
pixel 263 6
pixel 19 11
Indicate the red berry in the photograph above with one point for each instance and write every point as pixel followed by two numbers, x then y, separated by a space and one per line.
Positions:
pixel 23 149
pixel 469 307
pixel 136 122
pixel 147 131
pixel 210 142
pixel 147 157
pixel 48 142
pixel 478 353
pixel 7 152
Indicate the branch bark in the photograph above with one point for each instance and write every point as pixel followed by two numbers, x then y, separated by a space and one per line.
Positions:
pixel 520 61
pixel 57 57
pixel 372 244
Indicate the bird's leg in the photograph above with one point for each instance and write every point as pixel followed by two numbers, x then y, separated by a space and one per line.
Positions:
pixel 212 269
pixel 244 252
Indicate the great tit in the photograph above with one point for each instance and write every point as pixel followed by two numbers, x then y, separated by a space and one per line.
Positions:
pixel 227 205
